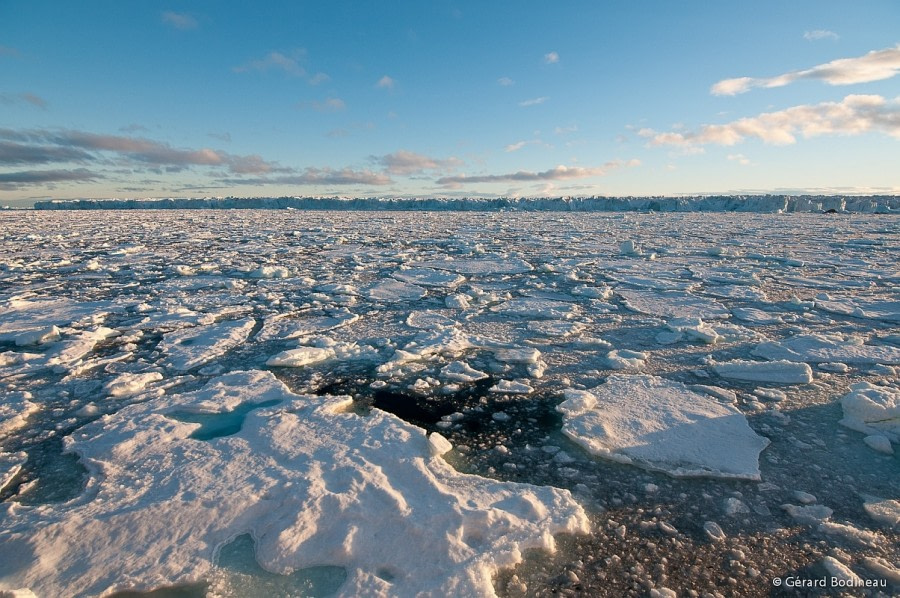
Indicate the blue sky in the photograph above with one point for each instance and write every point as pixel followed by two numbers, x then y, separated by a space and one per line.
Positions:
pixel 139 99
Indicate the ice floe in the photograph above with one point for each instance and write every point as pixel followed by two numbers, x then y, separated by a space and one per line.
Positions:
pixel 778 372
pixel 429 277
pixel 14 411
pixel 295 358
pixel 391 291
pixel 314 483
pixel 290 325
pixel 873 410
pixel 460 371
pixel 662 425
pixel 192 347
pixel 481 266
pixel 128 384
pixel 673 304
pixel 826 348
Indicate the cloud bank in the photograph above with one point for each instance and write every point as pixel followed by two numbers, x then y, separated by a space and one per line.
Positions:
pixel 560 173
pixel 854 115
pixel 874 66
pixel 405 163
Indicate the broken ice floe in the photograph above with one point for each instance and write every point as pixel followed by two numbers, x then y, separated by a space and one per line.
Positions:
pixel 15 408
pixel 673 304
pixel 288 326
pixel 873 410
pixel 128 384
pixel 294 358
pixel 429 320
pixel 888 311
pixel 460 371
pixel 662 425
pixel 311 481
pixel 824 348
pixel 624 359
pixel 391 291
pixel 481 266
pixel 777 372
pixel 192 347
pixel 429 277
pixel 513 387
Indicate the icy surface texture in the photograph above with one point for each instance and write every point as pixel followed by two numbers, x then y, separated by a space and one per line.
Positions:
pixel 313 483
pixel 717 332
pixel 724 203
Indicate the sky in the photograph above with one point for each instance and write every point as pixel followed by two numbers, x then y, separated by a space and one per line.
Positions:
pixel 447 98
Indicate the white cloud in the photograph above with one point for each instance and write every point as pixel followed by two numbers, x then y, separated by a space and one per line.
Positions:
pixel 385 83
pixel 818 34
pixel 179 20
pixel 874 66
pixel 514 147
pixel 505 81
pixel 27 98
pixel 565 130
pixel 533 101
pixel 275 61
pixel 551 58
pixel 740 159
pixel 328 105
pixel 560 173
pixel 854 115
pixel 138 151
pixel 405 163
pixel 319 176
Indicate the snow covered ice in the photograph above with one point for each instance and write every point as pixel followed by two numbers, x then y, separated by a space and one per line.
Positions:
pixel 287 402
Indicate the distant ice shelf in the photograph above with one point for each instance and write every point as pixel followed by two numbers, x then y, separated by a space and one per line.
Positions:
pixel 707 203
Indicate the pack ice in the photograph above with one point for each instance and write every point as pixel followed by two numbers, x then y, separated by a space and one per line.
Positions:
pixel 310 480
pixel 664 426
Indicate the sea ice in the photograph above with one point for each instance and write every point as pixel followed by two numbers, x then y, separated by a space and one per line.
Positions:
pixel 311 481
pixel 673 304
pixel 460 371
pixel 883 511
pixel 10 465
pixel 429 320
pixel 511 387
pixel 14 411
pixel 128 384
pixel 751 315
pixel 23 315
pixel 664 426
pixel 391 291
pixel 624 359
pixel 295 358
pixel 36 336
pixel 481 266
pixel 777 372
pixel 192 347
pixel 288 326
pixel 888 311
pixel 531 307
pixel 825 348
pixel 873 410
pixel 429 277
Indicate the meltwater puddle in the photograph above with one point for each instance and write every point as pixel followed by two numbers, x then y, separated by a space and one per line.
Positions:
pixel 238 574
pixel 217 425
